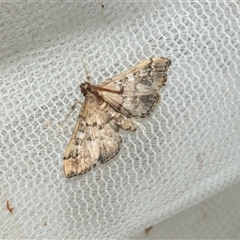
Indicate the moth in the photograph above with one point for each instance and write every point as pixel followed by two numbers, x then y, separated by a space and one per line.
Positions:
pixel 109 106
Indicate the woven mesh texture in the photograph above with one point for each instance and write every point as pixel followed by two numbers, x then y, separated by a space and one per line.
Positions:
pixel 216 217
pixel 191 147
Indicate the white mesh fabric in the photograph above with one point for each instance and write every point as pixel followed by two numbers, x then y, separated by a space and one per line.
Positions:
pixel 216 217
pixel 191 147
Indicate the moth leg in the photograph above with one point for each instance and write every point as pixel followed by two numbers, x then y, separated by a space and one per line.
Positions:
pixel 71 110
pixel 141 127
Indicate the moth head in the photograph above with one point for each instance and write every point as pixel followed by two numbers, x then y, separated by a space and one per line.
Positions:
pixel 84 88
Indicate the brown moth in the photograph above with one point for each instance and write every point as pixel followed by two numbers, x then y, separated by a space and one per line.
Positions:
pixel 109 106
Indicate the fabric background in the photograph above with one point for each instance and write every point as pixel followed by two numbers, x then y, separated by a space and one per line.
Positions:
pixel 214 218
pixel 191 147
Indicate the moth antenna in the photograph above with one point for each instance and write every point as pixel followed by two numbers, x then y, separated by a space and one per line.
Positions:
pixel 71 110
pixel 86 71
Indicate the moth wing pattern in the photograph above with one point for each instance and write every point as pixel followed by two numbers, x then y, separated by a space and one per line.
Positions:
pixel 95 139
pixel 140 86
